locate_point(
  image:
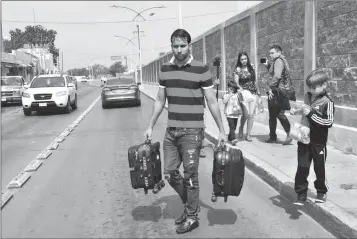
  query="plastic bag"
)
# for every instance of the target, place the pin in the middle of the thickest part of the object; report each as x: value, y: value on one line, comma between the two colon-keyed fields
x: 300, y: 133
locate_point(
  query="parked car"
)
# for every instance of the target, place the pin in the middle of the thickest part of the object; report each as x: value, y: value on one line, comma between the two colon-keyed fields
x: 49, y: 92
x: 81, y: 78
x: 120, y: 90
x: 11, y: 89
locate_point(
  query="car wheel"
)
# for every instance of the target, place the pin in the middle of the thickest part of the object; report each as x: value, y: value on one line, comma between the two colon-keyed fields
x: 68, y: 107
x: 104, y: 105
x: 27, y: 111
x: 139, y: 103
x: 74, y: 106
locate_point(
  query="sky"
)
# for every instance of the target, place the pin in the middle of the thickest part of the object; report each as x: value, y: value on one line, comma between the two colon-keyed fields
x: 95, y: 43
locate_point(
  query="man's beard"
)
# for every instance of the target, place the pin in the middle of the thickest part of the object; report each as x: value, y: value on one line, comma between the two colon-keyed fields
x: 181, y: 57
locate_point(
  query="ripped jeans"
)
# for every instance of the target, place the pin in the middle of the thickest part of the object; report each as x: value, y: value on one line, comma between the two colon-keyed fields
x: 183, y: 145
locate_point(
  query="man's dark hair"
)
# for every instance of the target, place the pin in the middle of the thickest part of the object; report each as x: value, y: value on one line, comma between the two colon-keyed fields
x: 181, y: 33
x: 276, y: 47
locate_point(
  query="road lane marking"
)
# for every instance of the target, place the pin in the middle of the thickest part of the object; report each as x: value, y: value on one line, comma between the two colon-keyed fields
x: 59, y: 139
x: 5, y: 197
x: 44, y: 154
x: 33, y: 165
x: 17, y: 182
x: 53, y: 146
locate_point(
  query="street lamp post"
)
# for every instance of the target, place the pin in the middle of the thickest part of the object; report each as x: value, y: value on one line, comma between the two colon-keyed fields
x: 138, y: 27
x: 180, y: 14
x: 141, y: 67
x: 129, y: 40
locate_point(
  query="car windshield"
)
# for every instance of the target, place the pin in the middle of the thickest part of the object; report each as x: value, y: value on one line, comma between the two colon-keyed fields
x: 48, y: 82
x: 11, y: 81
x: 125, y: 81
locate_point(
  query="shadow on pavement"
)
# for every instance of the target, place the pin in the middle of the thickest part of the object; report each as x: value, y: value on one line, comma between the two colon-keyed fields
x: 282, y: 202
x: 263, y: 138
x: 147, y: 213
x: 289, y: 207
x: 219, y: 216
x: 170, y: 207
x: 120, y: 105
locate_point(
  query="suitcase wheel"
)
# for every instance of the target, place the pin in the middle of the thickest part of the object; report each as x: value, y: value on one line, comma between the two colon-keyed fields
x: 157, y: 188
x: 225, y: 199
x: 214, y: 198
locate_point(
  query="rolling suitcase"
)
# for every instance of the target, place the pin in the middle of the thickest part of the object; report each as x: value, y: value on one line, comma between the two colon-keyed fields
x: 228, y: 172
x: 145, y: 163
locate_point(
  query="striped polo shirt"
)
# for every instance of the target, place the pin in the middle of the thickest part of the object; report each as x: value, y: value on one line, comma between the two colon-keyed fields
x: 184, y: 90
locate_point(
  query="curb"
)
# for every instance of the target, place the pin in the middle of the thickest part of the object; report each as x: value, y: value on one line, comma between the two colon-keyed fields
x: 329, y: 215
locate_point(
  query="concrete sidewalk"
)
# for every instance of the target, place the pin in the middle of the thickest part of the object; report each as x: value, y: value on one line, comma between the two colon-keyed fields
x: 276, y: 164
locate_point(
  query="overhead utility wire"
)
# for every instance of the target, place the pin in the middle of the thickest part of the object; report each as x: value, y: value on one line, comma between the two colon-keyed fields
x: 110, y: 22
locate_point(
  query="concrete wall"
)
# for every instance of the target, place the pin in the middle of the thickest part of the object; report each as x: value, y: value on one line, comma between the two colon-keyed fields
x: 197, y: 50
x: 283, y: 24
x: 336, y: 48
x: 313, y: 34
x: 237, y: 38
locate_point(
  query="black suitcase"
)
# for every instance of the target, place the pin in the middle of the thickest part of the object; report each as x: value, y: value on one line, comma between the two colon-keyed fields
x: 145, y: 163
x: 228, y: 172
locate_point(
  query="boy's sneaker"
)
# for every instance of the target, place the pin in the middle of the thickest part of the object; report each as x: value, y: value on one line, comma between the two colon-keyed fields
x: 187, y: 226
x: 321, y: 198
x: 301, y: 199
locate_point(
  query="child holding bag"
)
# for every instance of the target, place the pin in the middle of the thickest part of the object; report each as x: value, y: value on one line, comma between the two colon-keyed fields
x: 232, y: 100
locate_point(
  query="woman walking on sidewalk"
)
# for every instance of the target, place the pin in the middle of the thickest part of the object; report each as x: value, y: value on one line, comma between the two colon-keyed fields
x: 244, y: 76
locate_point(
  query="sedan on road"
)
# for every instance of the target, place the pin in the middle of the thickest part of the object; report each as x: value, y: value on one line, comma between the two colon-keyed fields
x: 120, y: 90
x: 11, y: 89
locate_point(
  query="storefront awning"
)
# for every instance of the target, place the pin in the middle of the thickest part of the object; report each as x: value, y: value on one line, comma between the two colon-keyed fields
x: 8, y: 64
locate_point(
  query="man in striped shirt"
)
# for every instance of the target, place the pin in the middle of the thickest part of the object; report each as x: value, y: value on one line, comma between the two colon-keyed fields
x: 185, y: 83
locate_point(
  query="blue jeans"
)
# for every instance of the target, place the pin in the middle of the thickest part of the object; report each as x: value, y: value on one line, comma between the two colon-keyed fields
x: 183, y: 145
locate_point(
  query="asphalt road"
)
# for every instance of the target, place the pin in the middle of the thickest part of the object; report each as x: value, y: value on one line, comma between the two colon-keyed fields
x: 24, y: 137
x: 83, y: 190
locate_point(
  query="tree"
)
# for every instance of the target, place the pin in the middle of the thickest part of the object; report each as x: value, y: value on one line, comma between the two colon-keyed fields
x: 117, y: 67
x: 99, y: 69
x: 78, y: 72
x: 33, y: 35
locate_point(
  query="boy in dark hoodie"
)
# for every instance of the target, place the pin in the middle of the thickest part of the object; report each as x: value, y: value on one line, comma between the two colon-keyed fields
x: 319, y: 113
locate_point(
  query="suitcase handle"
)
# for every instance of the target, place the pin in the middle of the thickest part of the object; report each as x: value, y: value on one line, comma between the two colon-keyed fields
x: 220, y: 172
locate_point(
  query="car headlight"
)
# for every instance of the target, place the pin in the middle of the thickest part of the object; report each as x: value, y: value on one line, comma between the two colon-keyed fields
x: 26, y: 95
x: 61, y: 93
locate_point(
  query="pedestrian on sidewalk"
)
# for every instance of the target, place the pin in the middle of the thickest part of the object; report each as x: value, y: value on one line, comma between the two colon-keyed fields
x: 278, y: 100
x: 244, y: 76
x: 186, y: 83
x: 232, y: 110
x: 320, y: 117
